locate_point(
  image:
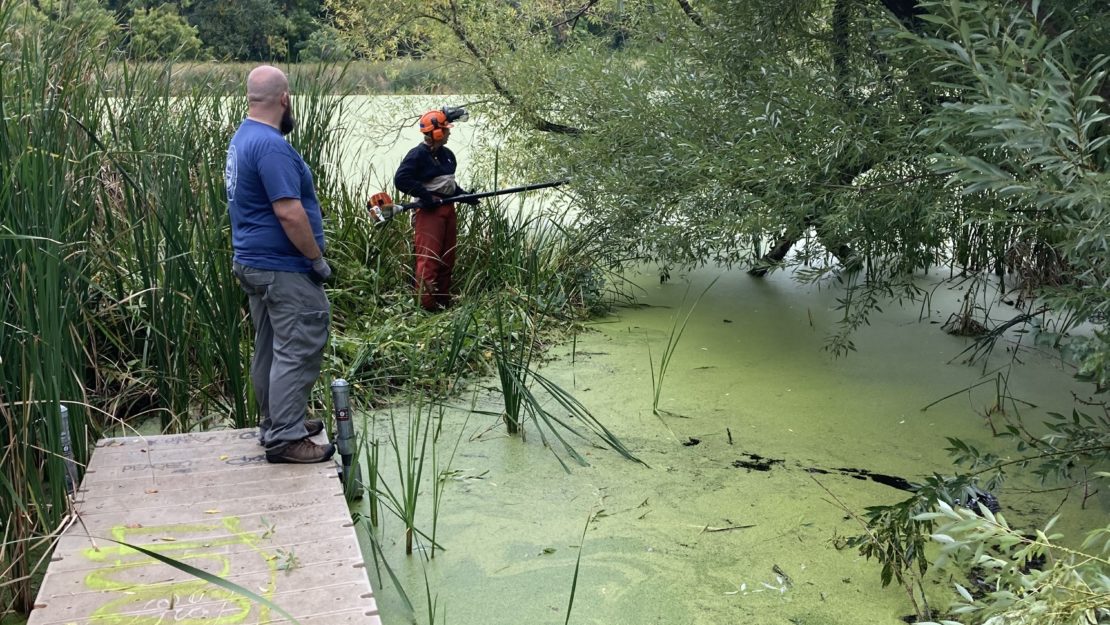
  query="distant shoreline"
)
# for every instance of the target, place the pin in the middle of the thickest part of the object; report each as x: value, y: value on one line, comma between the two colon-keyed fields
x: 394, y: 77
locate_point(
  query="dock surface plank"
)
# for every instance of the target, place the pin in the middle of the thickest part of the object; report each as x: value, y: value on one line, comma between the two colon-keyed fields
x: 209, y: 500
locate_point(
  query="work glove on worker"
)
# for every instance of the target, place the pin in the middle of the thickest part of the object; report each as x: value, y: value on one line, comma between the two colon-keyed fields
x: 428, y: 201
x: 321, y: 271
x: 473, y: 201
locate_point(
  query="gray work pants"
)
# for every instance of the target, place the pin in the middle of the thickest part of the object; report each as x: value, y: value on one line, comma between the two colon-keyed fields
x: 290, y: 313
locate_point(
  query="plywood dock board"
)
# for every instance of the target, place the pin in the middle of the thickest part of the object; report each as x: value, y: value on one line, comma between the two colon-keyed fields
x: 210, y: 500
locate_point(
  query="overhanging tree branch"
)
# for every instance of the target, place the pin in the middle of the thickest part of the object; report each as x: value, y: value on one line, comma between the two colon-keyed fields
x: 691, y: 13
x: 456, y: 28
x: 908, y: 13
x: 574, y: 18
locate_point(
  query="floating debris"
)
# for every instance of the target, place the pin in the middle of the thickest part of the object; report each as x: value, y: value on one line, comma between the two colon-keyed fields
x: 755, y: 462
x: 783, y: 578
x: 725, y: 529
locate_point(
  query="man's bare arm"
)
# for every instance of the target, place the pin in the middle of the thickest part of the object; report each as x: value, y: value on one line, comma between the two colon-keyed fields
x: 294, y: 221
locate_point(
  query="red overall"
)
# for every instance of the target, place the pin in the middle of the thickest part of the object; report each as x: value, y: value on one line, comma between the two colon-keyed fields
x: 434, y: 244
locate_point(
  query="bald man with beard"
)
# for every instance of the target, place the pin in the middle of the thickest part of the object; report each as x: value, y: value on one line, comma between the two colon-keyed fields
x: 277, y: 236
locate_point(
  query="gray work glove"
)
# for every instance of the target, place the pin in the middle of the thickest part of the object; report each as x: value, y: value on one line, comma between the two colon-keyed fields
x: 428, y: 201
x: 321, y: 271
x: 470, y: 201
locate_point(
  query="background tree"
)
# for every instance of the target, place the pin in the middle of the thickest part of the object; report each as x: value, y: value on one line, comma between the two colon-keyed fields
x: 324, y: 44
x: 88, y: 15
x: 380, y: 30
x: 162, y: 32
x: 247, y: 30
x: 253, y: 30
x: 305, y: 20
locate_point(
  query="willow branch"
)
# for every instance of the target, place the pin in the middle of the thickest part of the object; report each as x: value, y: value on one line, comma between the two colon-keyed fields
x: 457, y: 29
x: 1064, y: 452
x: 574, y: 18
x: 907, y: 12
x: 691, y: 13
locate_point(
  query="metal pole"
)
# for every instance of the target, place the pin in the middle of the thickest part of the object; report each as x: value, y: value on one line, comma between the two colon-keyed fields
x: 376, y: 212
x: 345, y: 437
x: 485, y: 194
x: 67, y: 450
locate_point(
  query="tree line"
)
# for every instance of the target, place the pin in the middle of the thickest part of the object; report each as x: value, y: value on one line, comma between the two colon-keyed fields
x: 293, y: 30
x: 242, y: 30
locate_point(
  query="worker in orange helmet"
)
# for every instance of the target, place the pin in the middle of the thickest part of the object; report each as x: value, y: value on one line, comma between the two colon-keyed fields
x: 428, y: 173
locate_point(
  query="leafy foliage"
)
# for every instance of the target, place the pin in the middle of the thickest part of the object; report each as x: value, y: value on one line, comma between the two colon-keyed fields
x: 246, y: 29
x: 1021, y: 578
x: 325, y: 44
x: 1075, y: 450
x: 85, y: 16
x: 896, y: 535
x: 162, y: 32
x: 1030, y: 134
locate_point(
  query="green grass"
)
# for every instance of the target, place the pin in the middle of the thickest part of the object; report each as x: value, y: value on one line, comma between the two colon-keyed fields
x: 44, y: 163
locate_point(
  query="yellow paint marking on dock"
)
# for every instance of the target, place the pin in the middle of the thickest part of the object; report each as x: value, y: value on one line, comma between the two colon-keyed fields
x: 211, y: 501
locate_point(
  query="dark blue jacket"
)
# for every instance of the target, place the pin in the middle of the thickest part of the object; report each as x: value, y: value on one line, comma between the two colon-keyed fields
x: 421, y: 165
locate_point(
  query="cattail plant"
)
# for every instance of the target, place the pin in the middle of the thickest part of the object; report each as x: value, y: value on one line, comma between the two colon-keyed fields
x: 46, y: 170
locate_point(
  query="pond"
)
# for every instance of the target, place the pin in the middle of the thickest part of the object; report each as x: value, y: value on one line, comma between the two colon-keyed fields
x: 737, y: 517
x: 378, y: 130
x: 764, y: 448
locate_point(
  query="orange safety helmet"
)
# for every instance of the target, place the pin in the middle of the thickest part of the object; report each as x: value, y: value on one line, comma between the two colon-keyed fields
x: 432, y: 124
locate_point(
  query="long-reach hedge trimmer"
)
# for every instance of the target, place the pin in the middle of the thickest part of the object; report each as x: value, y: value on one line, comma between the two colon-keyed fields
x: 382, y: 208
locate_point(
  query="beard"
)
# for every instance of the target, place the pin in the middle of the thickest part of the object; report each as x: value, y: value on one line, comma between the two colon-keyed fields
x: 288, y: 123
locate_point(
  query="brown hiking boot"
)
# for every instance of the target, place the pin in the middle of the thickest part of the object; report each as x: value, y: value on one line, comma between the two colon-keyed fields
x: 303, y: 451
x: 314, y: 426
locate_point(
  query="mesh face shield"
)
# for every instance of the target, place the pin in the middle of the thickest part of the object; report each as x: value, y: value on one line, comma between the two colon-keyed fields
x: 456, y: 114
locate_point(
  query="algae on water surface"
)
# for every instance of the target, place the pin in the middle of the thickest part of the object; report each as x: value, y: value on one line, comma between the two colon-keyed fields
x: 726, y: 525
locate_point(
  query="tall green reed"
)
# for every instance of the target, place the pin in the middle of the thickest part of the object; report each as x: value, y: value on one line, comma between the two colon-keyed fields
x: 510, y: 358
x: 370, y: 456
x: 541, y: 262
x: 678, y: 326
x: 411, y: 447
x: 577, y: 567
x: 165, y: 231
x: 44, y: 169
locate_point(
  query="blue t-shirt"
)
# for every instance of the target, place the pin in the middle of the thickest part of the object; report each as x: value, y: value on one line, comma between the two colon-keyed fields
x: 262, y: 168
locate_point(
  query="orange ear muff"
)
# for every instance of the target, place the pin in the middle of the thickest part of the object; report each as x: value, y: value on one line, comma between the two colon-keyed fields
x: 437, y: 130
x: 433, y: 123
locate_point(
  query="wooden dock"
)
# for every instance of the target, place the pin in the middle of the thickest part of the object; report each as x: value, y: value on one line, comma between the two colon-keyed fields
x: 212, y: 501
